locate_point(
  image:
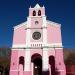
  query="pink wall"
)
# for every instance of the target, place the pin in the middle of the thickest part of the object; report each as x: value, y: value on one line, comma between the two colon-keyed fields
x: 19, y: 36
x: 14, y: 60
x: 54, y: 34
x: 33, y: 25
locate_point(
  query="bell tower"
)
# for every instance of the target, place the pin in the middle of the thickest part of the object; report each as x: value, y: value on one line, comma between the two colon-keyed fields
x: 37, y: 46
x: 38, y: 29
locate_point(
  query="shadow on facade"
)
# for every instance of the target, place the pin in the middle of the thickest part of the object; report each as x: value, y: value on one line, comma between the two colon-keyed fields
x: 4, y: 71
x: 52, y: 66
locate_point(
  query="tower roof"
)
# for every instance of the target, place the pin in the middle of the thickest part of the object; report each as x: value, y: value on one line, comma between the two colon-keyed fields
x: 37, y: 6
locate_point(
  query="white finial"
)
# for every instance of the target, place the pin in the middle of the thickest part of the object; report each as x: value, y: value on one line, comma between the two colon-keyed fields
x: 43, y: 6
x: 37, y: 6
x: 30, y: 6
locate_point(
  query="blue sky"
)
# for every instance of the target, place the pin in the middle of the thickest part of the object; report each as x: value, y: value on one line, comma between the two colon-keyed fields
x: 14, y: 12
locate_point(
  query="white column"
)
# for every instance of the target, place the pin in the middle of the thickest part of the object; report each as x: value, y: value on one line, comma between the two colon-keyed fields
x: 32, y: 64
x: 45, y: 50
x: 45, y: 59
x: 49, y: 69
x: 44, y: 30
x: 28, y: 32
x: 27, y: 60
x: 27, y: 51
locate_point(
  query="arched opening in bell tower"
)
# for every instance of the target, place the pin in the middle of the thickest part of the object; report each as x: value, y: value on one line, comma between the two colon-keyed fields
x: 36, y: 59
x: 52, y: 64
x: 39, y: 13
x: 34, y: 13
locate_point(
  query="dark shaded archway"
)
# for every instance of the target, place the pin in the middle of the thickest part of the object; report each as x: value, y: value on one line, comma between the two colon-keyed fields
x: 37, y: 61
x: 52, y: 64
x: 21, y: 61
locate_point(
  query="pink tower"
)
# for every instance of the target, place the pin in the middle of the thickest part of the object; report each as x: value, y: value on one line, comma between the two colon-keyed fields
x: 37, y: 46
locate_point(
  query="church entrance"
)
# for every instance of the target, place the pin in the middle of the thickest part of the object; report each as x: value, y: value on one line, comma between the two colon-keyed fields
x: 37, y: 64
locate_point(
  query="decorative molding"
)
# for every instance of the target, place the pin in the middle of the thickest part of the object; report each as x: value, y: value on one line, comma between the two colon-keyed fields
x: 42, y: 45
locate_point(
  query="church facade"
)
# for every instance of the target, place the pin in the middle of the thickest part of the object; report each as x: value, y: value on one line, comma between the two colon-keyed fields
x: 37, y: 46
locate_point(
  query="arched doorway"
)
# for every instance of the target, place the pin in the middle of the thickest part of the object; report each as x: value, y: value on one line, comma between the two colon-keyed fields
x: 36, y: 59
x: 21, y: 65
x: 52, y: 64
x: 21, y: 60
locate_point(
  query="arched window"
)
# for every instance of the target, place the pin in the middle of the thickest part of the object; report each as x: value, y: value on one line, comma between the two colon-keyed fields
x: 39, y: 13
x: 21, y: 60
x: 34, y: 13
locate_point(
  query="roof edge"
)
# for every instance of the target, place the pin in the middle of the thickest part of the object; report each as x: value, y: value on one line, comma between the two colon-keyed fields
x: 20, y: 25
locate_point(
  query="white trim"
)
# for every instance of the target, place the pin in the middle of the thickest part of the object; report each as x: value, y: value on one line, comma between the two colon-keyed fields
x: 44, y: 25
x: 18, y: 45
x: 55, y: 45
x: 25, y: 23
x: 44, y: 21
x: 28, y: 31
x: 59, y: 48
x: 45, y: 59
x: 20, y: 25
x: 53, y: 23
x: 32, y: 67
x: 14, y: 70
x: 27, y: 60
x: 28, y: 22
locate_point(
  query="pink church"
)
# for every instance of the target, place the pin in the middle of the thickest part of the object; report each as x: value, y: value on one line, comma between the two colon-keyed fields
x: 37, y: 46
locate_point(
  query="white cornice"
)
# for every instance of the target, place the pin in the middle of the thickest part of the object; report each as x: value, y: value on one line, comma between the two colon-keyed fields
x: 20, y: 25
x: 53, y: 23
x: 34, y: 45
x: 25, y: 23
